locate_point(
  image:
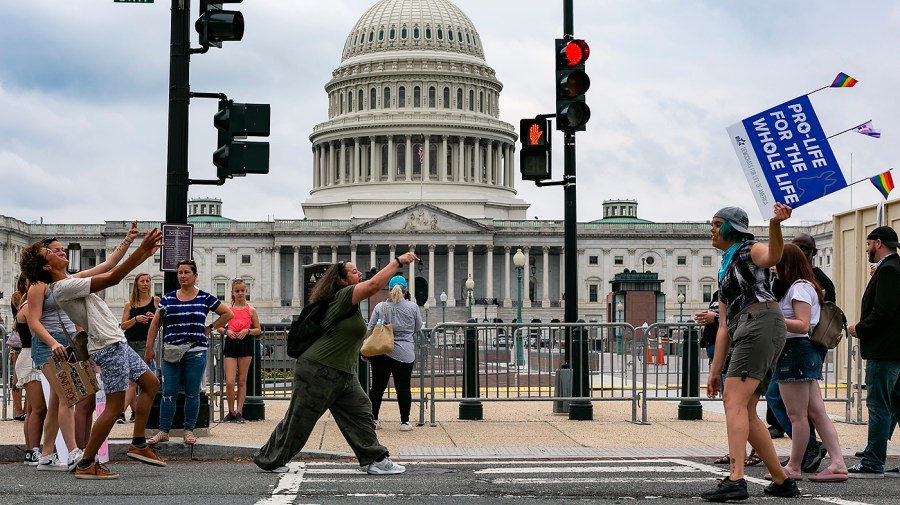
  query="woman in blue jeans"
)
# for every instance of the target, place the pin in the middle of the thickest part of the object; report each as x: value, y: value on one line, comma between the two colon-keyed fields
x: 185, y: 345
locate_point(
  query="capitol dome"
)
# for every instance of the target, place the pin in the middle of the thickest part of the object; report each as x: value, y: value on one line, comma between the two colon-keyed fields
x: 413, y: 115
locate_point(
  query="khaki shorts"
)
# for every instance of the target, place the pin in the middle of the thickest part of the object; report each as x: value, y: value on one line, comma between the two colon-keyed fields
x: 757, y: 338
x: 25, y: 370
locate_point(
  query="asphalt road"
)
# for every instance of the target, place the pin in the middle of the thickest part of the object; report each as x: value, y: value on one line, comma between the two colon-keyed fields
x: 668, y: 481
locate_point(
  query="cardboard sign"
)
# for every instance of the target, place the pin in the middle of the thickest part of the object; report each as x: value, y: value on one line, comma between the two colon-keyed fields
x: 73, y: 382
x: 786, y: 156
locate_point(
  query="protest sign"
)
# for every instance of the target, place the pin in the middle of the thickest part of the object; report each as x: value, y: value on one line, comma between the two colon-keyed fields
x: 786, y: 156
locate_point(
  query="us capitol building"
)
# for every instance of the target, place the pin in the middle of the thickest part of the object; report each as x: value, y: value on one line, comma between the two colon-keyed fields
x: 414, y: 157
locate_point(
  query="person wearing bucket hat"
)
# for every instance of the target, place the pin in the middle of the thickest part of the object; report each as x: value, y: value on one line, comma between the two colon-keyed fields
x: 878, y: 331
x: 752, y: 331
x: 406, y: 320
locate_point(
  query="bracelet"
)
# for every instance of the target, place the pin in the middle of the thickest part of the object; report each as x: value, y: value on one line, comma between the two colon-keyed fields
x: 399, y: 265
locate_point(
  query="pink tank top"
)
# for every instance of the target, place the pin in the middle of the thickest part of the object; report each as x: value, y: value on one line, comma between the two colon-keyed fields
x: 241, y: 320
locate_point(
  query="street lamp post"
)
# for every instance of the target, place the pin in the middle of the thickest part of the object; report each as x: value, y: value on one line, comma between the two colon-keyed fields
x: 519, y: 262
x: 470, y: 286
x: 690, y: 370
x: 620, y: 307
x: 443, y: 306
x: 426, y: 307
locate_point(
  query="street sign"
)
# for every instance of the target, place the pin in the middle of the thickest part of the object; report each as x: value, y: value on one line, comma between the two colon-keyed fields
x: 178, y: 245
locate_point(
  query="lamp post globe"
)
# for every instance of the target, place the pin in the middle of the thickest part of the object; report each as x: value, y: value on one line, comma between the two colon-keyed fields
x: 680, y: 300
x: 443, y: 306
x: 470, y: 286
x: 519, y: 262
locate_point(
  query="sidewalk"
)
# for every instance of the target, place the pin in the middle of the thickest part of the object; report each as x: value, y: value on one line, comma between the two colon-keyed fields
x: 509, y: 430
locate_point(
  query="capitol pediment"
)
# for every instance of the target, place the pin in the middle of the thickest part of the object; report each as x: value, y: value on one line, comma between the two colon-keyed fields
x: 421, y: 218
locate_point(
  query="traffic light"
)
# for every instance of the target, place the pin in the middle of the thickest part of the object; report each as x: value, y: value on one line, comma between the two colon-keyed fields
x: 534, y: 158
x: 216, y: 25
x: 236, y: 158
x: 571, y: 84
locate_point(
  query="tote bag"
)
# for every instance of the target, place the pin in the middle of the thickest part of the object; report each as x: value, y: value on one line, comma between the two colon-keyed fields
x: 381, y: 338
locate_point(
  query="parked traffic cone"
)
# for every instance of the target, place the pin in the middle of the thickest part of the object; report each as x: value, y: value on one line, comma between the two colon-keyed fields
x: 649, y: 356
x: 660, y: 355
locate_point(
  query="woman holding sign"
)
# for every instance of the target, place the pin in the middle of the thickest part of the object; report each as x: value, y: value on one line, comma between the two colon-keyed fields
x: 752, y: 331
x: 106, y: 343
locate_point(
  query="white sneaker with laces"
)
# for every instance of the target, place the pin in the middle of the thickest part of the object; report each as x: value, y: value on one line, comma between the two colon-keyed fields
x: 405, y: 427
x: 74, y: 459
x: 51, y: 463
x: 385, y: 467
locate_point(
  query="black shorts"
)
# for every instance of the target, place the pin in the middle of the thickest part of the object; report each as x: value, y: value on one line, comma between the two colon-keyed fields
x: 239, y: 348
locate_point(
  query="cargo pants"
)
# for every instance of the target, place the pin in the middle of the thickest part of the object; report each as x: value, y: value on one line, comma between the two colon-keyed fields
x: 318, y: 388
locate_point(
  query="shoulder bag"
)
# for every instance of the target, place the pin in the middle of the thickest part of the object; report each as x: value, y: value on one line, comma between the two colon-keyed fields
x: 381, y: 338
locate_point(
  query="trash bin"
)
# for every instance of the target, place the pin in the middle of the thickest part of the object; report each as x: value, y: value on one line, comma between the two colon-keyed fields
x: 563, y: 389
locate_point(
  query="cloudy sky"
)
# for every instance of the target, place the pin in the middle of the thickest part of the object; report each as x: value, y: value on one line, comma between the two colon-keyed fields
x: 84, y: 91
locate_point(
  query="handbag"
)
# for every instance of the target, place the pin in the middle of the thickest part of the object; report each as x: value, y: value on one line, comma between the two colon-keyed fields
x: 74, y: 382
x: 13, y: 341
x: 381, y: 338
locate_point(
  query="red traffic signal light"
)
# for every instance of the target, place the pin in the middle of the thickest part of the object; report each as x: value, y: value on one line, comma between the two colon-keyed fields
x: 574, y: 53
x: 534, y: 158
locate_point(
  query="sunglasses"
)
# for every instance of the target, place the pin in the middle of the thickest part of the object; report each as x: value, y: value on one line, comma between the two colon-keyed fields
x: 47, y: 241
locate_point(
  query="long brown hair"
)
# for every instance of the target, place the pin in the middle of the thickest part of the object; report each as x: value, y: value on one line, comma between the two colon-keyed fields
x: 330, y: 282
x: 794, y: 266
x: 135, y: 296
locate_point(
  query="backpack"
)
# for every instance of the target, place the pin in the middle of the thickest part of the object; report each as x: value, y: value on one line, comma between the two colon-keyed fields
x: 307, y: 327
x: 830, y: 329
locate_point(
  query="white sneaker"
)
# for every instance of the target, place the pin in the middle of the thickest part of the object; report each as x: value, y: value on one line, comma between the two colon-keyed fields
x: 405, y: 427
x: 385, y: 467
x: 74, y: 459
x: 51, y: 463
x: 377, y: 424
x: 280, y: 469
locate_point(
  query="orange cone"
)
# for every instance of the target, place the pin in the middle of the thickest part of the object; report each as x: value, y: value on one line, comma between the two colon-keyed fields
x: 649, y: 356
x: 660, y: 355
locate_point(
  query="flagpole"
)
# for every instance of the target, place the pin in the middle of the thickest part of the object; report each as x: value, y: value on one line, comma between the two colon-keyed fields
x: 862, y: 180
x: 848, y: 129
x: 817, y: 90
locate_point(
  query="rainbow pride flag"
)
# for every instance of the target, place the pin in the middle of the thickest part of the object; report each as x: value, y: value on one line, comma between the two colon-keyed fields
x: 843, y: 81
x: 883, y: 183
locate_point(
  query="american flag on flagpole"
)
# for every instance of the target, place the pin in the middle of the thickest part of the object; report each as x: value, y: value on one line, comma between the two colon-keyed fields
x: 421, y: 154
x: 866, y: 129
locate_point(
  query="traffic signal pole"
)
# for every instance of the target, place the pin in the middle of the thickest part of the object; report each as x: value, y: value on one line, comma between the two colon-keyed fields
x: 179, y: 104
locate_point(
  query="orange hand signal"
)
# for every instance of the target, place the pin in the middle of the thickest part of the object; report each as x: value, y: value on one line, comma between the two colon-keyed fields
x: 534, y: 134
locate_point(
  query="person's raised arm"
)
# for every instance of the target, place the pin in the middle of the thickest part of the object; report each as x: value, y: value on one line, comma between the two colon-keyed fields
x: 767, y: 256
x: 114, y: 257
x: 151, y: 242
x: 364, y: 290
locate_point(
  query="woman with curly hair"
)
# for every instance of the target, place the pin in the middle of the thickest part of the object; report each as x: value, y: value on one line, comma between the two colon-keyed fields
x: 106, y: 342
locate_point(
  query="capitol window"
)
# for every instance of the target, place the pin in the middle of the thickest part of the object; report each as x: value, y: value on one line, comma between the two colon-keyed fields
x: 380, y: 35
x: 459, y: 98
x: 446, y: 98
x: 417, y: 96
x: 392, y: 34
x: 401, y: 96
x: 428, y: 33
x: 416, y: 33
x: 618, y: 260
x: 440, y: 34
x: 681, y: 261
x: 432, y: 96
x: 373, y: 98
x: 403, y: 33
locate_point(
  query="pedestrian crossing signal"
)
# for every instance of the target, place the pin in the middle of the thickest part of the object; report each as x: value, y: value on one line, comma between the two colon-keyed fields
x: 534, y: 158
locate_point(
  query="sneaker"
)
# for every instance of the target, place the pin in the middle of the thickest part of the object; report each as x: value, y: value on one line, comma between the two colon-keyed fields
x: 377, y: 424
x: 726, y: 490
x: 787, y: 489
x: 858, y: 471
x: 228, y: 418
x: 121, y: 419
x: 813, y: 456
x: 238, y: 418
x: 95, y: 471
x: 51, y: 463
x: 893, y: 472
x: 33, y: 457
x: 280, y: 469
x: 74, y: 458
x: 405, y: 427
x: 145, y: 455
x: 775, y: 432
x: 385, y: 467
x: 131, y: 419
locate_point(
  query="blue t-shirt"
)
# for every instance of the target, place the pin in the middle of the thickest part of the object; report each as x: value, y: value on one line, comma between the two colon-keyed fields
x: 186, y: 321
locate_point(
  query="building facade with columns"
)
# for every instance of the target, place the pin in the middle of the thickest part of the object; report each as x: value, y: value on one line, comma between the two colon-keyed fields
x: 413, y: 156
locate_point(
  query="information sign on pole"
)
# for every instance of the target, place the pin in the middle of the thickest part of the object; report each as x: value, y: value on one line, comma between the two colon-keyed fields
x: 178, y: 245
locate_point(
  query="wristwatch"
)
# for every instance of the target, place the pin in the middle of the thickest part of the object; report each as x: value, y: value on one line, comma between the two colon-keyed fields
x: 399, y: 264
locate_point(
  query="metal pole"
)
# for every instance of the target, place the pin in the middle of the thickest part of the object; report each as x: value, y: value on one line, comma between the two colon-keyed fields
x: 179, y: 103
x: 471, y: 409
x: 520, y: 344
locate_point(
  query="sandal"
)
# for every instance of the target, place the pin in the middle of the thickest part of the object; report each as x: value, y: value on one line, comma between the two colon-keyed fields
x: 159, y: 438
x: 189, y: 438
x: 752, y: 459
x: 724, y: 460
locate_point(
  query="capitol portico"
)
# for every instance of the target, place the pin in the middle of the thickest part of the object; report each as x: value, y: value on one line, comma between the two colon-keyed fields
x: 413, y: 156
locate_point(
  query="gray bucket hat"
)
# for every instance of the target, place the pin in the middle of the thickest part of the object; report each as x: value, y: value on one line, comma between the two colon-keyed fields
x: 736, y: 217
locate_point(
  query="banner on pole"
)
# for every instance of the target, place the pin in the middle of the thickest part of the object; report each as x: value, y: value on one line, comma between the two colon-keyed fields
x: 786, y: 156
